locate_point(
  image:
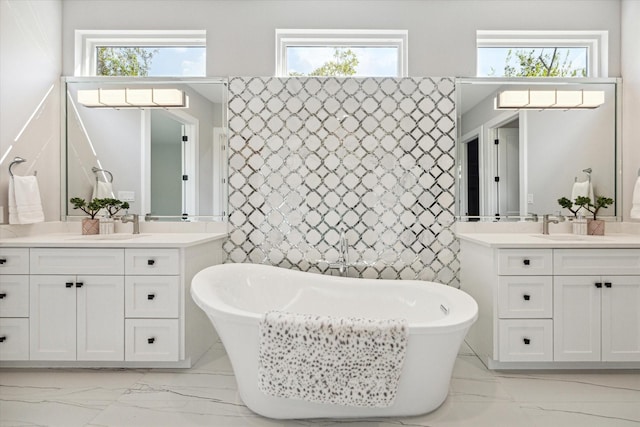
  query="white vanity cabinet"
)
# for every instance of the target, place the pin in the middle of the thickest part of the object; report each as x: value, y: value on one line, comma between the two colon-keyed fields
x: 76, y: 304
x: 597, y: 310
x: 14, y: 304
x: 544, y: 306
x: 104, y: 304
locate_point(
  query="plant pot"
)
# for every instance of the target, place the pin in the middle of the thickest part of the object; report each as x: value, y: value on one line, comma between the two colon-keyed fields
x: 595, y: 227
x: 90, y: 226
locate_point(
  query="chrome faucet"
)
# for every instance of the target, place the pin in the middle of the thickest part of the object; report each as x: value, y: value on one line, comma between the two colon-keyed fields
x: 343, y: 255
x: 134, y: 219
x: 546, y: 221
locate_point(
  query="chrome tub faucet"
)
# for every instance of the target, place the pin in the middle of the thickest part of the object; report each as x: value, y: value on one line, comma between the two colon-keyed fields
x: 342, y: 265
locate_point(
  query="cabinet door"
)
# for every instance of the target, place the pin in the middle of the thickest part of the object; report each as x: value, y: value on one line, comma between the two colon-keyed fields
x: 621, y: 318
x: 52, y: 324
x: 576, y: 318
x: 100, y: 317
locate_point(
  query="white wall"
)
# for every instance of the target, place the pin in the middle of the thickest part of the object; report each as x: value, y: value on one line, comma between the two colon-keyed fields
x: 241, y: 38
x: 630, y: 99
x: 30, y: 68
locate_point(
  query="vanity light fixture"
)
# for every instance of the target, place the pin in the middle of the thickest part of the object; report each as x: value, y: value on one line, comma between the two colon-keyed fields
x: 549, y: 99
x: 133, y: 98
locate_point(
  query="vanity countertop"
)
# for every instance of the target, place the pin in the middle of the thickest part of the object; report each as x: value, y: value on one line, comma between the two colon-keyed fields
x: 568, y: 241
x: 116, y: 240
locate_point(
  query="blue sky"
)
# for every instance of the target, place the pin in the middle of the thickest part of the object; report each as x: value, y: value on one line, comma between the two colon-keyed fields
x: 495, y: 57
x: 373, y: 61
x: 179, y: 61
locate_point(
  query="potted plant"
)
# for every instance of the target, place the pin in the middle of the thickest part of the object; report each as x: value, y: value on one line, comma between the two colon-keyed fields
x: 90, y: 225
x: 595, y: 227
x: 568, y: 204
x: 113, y: 206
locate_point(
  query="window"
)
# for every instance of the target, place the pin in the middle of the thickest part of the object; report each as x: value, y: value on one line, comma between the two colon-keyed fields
x: 356, y: 53
x: 140, y: 53
x: 542, y: 53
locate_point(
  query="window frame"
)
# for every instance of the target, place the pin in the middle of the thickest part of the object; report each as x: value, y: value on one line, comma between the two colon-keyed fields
x: 286, y: 38
x: 596, y: 43
x: 86, y: 42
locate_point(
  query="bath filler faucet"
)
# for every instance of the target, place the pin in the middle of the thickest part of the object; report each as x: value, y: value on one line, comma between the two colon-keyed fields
x: 342, y: 265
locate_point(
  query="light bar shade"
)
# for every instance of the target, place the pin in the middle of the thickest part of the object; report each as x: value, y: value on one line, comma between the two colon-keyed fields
x: 132, y: 98
x: 549, y: 99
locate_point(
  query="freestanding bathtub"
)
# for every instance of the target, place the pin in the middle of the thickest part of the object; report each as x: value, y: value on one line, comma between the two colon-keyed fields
x: 236, y: 296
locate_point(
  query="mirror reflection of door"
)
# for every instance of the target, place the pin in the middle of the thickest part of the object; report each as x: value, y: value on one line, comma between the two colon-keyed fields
x: 473, y: 178
x: 508, y: 169
x: 172, y: 175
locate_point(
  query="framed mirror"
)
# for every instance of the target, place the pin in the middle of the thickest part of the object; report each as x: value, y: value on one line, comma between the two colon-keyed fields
x: 158, y: 144
x: 524, y: 143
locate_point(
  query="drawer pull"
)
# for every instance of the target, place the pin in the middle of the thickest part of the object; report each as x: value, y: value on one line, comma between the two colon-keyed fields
x: 526, y: 341
x: 3, y: 338
x: 607, y: 284
x: 3, y: 261
x: 68, y: 284
x: 151, y: 340
x: 598, y: 284
x: 526, y: 297
x: 3, y: 295
x: 151, y: 261
x: 79, y: 285
x: 151, y: 296
x: 526, y: 261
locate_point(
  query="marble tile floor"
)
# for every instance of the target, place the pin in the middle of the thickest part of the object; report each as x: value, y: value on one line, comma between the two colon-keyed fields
x: 206, y: 395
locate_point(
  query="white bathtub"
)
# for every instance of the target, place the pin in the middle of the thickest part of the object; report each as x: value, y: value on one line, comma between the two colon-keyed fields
x: 235, y: 296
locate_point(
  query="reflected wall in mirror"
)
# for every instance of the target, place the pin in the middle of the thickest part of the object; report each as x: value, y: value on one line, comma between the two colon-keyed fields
x: 512, y: 163
x: 158, y: 144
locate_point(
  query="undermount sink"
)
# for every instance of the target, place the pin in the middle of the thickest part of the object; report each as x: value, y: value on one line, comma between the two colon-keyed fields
x: 115, y: 236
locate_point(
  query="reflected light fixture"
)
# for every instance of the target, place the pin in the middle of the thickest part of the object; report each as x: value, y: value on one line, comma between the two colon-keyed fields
x: 133, y: 98
x: 549, y: 99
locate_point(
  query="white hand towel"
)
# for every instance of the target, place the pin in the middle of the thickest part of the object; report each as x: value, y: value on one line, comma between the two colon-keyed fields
x: 103, y: 190
x: 582, y: 189
x: 25, y: 205
x: 635, y: 201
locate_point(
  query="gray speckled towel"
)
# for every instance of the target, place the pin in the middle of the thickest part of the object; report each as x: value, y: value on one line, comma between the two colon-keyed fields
x: 342, y: 361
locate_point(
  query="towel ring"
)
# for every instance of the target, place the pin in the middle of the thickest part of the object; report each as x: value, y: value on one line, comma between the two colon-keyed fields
x: 95, y: 170
x: 16, y: 160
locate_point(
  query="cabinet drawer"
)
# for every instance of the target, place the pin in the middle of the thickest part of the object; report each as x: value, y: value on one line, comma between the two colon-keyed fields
x: 596, y: 261
x: 14, y: 296
x: 14, y: 339
x: 151, y: 340
x: 14, y: 261
x: 77, y: 261
x: 525, y: 297
x: 526, y: 340
x: 152, y: 261
x: 525, y: 262
x: 152, y: 296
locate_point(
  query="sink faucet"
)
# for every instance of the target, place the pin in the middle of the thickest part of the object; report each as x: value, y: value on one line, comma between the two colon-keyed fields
x: 134, y: 219
x: 343, y: 255
x: 546, y: 221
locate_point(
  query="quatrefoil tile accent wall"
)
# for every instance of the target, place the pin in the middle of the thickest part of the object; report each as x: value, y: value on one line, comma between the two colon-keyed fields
x: 375, y: 156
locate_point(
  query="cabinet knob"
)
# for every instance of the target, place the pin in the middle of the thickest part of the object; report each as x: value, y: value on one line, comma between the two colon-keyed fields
x: 3, y: 295
x: 151, y: 296
x: 79, y: 285
x: 151, y: 340
x: 151, y: 261
x: 68, y: 284
x: 526, y: 341
x: 3, y: 261
x: 607, y: 284
x: 526, y: 261
x: 526, y: 297
x: 598, y: 284
x: 3, y: 338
